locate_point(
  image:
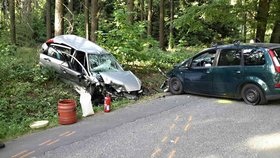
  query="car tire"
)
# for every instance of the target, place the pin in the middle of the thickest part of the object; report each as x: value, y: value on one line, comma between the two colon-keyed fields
x: 253, y: 95
x: 175, y: 86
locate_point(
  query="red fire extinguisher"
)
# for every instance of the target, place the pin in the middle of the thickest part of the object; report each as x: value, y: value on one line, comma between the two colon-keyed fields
x: 107, y: 103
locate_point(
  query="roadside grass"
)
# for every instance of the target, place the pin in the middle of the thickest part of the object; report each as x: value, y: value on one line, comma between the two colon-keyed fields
x: 29, y: 93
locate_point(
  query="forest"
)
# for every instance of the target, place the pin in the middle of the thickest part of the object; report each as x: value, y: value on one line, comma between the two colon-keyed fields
x: 128, y: 26
x: 142, y: 34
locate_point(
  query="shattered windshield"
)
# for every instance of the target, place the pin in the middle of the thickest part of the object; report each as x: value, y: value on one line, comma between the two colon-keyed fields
x: 103, y: 63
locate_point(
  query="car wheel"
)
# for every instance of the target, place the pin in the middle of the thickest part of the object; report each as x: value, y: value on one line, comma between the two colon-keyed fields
x: 175, y: 86
x: 253, y: 95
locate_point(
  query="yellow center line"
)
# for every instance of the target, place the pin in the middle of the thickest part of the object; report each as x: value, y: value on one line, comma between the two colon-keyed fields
x: 55, y: 141
x: 23, y: 156
x: 64, y: 133
x: 164, y: 139
x: 177, y: 117
x: 190, y: 118
x: 172, y: 126
x: 45, y: 142
x: 187, y: 127
x: 172, y: 154
x: 70, y: 134
x: 157, y: 151
x: 19, y: 153
x: 176, y: 140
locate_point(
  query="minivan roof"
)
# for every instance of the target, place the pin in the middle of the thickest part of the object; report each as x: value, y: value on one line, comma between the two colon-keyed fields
x: 79, y: 43
x: 246, y: 45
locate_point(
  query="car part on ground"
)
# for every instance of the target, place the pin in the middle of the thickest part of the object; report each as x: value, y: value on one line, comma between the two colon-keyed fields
x: 87, y: 64
x: 242, y: 71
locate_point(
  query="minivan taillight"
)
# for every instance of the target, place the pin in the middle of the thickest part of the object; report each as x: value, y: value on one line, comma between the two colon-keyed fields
x: 275, y: 60
x: 277, y: 85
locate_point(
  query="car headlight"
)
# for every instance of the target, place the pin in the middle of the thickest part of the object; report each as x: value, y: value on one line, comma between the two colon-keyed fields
x: 118, y: 88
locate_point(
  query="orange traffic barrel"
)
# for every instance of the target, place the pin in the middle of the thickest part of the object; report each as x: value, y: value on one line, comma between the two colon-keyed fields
x: 67, y: 111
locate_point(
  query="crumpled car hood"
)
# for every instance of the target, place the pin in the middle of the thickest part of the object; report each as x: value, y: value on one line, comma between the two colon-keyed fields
x: 124, y: 78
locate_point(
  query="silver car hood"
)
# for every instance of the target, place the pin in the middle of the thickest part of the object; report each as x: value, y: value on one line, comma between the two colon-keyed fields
x: 124, y: 78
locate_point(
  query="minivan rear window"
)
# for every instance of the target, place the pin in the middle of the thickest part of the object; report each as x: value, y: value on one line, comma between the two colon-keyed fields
x: 253, y: 57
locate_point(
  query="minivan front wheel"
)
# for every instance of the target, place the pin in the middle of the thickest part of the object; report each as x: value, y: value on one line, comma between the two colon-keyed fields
x: 253, y: 95
x: 175, y: 86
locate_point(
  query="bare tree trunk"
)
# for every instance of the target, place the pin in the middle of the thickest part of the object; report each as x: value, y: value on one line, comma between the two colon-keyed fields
x: 262, y: 17
x: 150, y: 15
x: 12, y: 21
x: 130, y: 7
x: 70, y: 17
x: 171, y: 41
x: 94, y: 20
x: 1, y: 15
x: 142, y: 10
x: 48, y: 19
x: 86, y: 10
x: 58, y: 20
x: 161, y: 24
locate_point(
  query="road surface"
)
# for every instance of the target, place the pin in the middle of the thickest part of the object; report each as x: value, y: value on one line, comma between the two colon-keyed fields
x: 183, y: 126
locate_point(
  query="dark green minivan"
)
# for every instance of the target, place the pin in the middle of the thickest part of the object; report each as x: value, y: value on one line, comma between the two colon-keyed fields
x: 248, y: 71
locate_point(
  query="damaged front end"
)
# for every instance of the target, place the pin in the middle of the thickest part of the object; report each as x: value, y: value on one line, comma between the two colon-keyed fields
x: 89, y: 66
x: 121, y: 84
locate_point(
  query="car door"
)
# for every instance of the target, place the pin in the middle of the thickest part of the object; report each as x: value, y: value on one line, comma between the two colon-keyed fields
x: 77, y: 69
x: 53, y: 58
x: 228, y: 73
x: 197, y: 76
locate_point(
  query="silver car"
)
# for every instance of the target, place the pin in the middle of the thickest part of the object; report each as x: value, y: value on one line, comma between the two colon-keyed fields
x: 87, y: 64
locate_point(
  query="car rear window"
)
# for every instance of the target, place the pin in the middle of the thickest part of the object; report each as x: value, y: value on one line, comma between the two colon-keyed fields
x: 229, y: 57
x: 253, y: 57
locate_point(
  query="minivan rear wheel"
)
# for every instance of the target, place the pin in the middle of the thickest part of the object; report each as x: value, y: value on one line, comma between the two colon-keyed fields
x: 175, y: 86
x: 253, y: 95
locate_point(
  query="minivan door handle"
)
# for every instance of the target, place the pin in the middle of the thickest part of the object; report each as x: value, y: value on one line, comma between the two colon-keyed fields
x: 238, y: 72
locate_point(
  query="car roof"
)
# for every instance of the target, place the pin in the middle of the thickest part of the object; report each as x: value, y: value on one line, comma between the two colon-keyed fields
x: 250, y: 45
x: 79, y: 43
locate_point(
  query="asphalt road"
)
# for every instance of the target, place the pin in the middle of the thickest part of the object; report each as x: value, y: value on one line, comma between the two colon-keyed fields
x: 184, y: 126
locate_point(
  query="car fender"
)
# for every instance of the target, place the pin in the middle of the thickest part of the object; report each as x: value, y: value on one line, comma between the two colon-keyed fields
x: 178, y: 75
x: 257, y: 81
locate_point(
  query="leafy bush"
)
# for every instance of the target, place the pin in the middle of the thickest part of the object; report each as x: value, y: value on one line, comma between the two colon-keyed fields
x: 28, y: 93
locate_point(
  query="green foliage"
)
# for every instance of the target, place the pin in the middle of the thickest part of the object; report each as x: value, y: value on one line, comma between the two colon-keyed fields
x: 28, y: 93
x: 202, y: 24
x: 125, y: 40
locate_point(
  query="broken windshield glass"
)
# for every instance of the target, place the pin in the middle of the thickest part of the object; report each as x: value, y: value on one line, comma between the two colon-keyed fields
x: 103, y: 63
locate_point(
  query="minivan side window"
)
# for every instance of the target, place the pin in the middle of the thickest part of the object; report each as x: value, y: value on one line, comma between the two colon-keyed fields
x: 229, y: 57
x: 255, y: 57
x: 205, y: 59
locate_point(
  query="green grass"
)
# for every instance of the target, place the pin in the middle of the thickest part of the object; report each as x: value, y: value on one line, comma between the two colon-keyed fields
x: 29, y: 93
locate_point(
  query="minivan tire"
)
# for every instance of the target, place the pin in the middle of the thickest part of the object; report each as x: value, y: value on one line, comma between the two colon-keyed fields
x: 253, y: 95
x: 175, y: 86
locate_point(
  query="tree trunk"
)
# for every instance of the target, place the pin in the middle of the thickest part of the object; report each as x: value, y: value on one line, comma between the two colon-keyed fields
x: 58, y: 20
x: 86, y: 8
x: 12, y: 21
x: 142, y: 10
x: 275, y: 36
x: 70, y: 17
x: 262, y: 17
x: 130, y: 7
x: 171, y: 40
x: 48, y: 19
x: 94, y: 20
x: 150, y: 14
x: 161, y: 25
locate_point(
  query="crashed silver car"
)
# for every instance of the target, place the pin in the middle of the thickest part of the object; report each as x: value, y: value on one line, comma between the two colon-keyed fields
x: 83, y: 62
